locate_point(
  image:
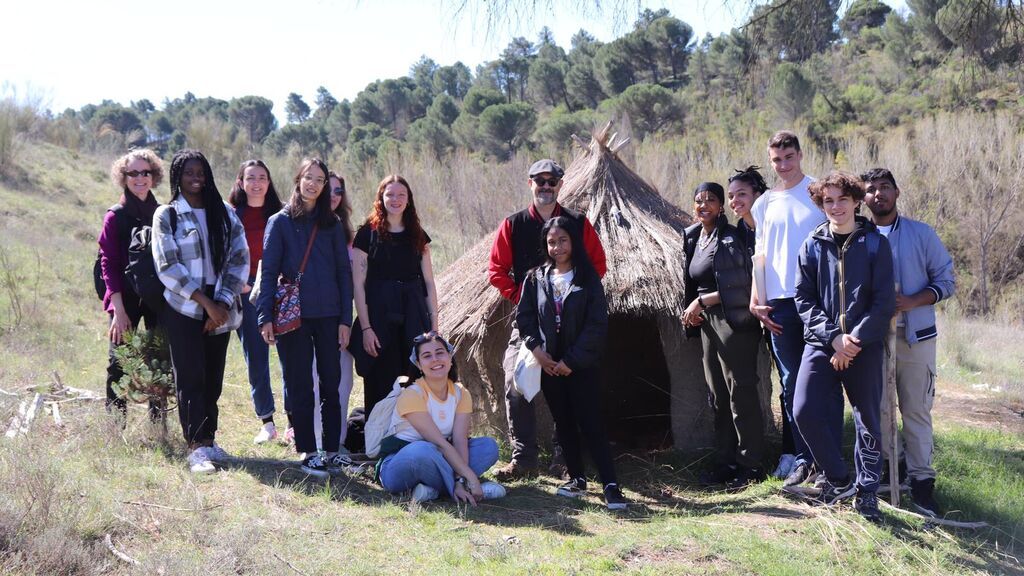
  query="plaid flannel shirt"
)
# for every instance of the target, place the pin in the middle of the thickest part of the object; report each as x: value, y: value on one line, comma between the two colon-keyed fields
x: 179, y: 261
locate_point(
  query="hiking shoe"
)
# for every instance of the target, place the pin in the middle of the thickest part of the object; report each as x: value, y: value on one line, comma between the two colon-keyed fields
x: 923, y: 494
x: 492, y: 490
x: 337, y: 462
x: 267, y: 433
x: 613, y: 497
x: 721, y: 474
x: 799, y: 475
x: 832, y: 493
x: 424, y: 493
x: 745, y: 477
x: 867, y: 505
x: 573, y: 488
x: 316, y: 465
x: 199, y: 461
x: 785, y: 466
x: 515, y: 470
x: 218, y: 454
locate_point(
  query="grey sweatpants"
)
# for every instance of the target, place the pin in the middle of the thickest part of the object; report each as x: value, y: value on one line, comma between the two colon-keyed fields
x: 915, y: 389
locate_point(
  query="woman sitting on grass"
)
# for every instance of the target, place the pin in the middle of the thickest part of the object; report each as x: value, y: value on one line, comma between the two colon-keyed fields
x: 430, y: 450
x: 563, y: 318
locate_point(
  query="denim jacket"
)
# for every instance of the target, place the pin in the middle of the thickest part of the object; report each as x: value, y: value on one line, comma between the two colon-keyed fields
x: 845, y: 291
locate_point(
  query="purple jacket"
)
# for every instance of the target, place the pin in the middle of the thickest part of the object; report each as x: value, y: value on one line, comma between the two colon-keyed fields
x: 113, y: 257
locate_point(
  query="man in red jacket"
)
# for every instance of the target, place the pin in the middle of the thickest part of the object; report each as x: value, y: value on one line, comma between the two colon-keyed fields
x: 517, y: 248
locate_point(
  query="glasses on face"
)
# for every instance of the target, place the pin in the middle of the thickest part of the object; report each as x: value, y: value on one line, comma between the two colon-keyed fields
x: 552, y: 182
x: 137, y: 173
x: 339, y: 191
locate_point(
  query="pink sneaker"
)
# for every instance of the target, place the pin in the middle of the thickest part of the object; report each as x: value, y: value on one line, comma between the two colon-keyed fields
x: 289, y: 436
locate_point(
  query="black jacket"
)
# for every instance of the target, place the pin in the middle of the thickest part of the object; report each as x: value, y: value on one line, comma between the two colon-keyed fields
x: 733, y: 271
x: 584, y: 320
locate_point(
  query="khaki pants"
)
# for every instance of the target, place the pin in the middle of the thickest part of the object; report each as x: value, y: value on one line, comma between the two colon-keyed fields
x: 915, y: 388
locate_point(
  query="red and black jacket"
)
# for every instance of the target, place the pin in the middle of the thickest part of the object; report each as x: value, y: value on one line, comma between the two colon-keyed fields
x: 518, y: 247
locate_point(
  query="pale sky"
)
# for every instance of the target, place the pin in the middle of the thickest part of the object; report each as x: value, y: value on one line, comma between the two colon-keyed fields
x: 73, y: 53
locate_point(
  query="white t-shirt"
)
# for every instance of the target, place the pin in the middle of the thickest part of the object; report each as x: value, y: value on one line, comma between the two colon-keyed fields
x: 785, y: 218
x: 209, y: 275
x: 884, y: 230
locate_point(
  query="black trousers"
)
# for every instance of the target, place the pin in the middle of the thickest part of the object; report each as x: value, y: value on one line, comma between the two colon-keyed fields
x: 392, y: 361
x: 136, y: 312
x: 296, y: 351
x: 730, y: 368
x: 197, y: 359
x: 575, y: 404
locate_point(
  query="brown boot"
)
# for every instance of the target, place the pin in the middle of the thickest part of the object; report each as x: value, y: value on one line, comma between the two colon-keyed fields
x: 515, y: 470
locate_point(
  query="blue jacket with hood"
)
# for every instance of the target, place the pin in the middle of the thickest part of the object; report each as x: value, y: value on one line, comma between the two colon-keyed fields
x: 846, y: 291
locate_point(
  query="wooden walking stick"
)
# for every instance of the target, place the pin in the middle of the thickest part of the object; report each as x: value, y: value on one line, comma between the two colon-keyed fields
x: 890, y: 401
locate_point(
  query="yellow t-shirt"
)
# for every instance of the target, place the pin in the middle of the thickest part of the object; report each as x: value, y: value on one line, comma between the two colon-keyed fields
x: 417, y: 397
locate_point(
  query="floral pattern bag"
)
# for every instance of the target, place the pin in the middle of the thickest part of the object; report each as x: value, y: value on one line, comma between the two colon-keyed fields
x: 287, y: 305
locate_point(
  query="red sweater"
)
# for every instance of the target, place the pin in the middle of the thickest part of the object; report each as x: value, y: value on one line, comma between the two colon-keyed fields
x: 255, y: 224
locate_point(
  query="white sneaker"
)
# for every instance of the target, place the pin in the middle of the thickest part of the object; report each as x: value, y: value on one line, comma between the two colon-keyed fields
x: 267, y: 433
x: 199, y: 461
x: 492, y: 490
x: 785, y: 466
x: 218, y: 454
x: 424, y: 493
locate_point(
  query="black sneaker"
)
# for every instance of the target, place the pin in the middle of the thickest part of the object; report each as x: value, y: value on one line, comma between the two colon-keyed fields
x: 613, y: 497
x: 923, y: 493
x: 338, y: 463
x: 721, y: 474
x: 832, y: 493
x: 573, y: 488
x: 867, y: 505
x: 315, y: 465
x: 799, y: 475
x: 745, y: 477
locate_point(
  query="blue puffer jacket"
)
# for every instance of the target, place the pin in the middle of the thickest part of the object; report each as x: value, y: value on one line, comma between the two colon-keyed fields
x: 326, y: 286
x: 849, y: 291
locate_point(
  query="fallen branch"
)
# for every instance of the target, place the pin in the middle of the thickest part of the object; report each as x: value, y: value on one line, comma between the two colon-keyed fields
x: 120, y: 555
x: 934, y: 520
x: 289, y: 564
x: 163, y: 507
x: 55, y: 412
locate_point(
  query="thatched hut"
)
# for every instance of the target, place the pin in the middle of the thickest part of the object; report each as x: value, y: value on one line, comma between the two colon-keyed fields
x: 653, y: 381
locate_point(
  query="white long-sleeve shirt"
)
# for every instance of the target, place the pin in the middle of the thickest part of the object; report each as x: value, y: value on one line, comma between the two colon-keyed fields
x: 784, y: 218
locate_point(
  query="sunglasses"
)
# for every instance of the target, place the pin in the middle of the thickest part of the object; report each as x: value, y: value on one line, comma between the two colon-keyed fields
x: 426, y: 337
x: 552, y: 182
x: 137, y: 173
x: 339, y: 191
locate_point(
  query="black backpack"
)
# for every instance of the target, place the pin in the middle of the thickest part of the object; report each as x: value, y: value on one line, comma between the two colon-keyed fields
x: 97, y: 267
x: 140, y: 272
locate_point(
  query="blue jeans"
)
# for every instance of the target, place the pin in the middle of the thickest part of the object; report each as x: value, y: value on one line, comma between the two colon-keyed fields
x: 422, y: 463
x: 257, y: 359
x: 788, y: 349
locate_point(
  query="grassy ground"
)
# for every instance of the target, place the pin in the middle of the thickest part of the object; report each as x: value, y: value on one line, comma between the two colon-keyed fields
x: 64, y: 489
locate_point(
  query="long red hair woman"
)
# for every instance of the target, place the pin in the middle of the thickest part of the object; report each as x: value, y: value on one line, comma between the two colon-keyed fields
x: 394, y: 287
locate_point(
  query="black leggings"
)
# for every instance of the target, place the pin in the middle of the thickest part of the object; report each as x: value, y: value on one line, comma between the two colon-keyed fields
x: 575, y: 403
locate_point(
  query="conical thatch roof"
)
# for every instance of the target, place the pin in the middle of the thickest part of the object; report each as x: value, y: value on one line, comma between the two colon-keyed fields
x: 652, y: 376
x: 641, y: 233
